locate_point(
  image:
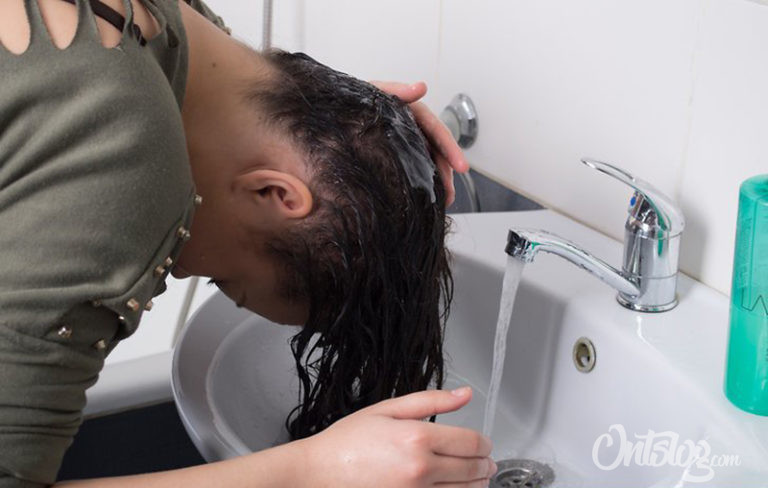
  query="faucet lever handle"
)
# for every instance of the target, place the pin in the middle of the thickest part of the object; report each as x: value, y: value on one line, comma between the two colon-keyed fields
x: 666, y: 217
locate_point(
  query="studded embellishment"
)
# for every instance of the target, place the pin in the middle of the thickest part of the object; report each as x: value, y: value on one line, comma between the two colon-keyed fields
x: 96, y: 302
x: 121, y: 319
x: 65, y: 332
x: 159, y: 270
x: 100, y: 345
x: 183, y: 234
x: 198, y: 200
x: 133, y: 304
x: 148, y: 306
x: 168, y: 261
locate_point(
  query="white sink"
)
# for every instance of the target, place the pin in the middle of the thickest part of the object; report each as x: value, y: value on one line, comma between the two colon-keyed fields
x: 657, y: 377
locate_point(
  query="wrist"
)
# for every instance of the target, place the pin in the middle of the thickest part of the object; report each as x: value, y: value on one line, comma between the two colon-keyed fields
x: 280, y: 466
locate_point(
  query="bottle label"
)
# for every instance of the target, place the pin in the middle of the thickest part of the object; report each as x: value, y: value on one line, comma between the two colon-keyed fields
x: 758, y: 304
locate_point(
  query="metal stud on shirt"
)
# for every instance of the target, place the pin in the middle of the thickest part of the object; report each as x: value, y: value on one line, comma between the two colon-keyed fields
x: 65, y: 332
x: 148, y: 306
x: 133, y: 304
x: 159, y: 270
x: 198, y: 200
x: 168, y: 261
x: 101, y: 344
x: 183, y: 234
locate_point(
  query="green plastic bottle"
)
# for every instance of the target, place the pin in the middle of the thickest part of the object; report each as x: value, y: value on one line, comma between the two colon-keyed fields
x: 746, y: 374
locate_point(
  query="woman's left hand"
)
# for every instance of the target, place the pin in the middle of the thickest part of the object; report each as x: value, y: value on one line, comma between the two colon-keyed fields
x: 447, y: 153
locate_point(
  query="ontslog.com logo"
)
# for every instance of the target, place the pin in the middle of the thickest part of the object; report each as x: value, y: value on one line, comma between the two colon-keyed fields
x: 659, y: 449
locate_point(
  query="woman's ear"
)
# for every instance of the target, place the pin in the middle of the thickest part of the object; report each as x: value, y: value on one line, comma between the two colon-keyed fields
x: 281, y: 195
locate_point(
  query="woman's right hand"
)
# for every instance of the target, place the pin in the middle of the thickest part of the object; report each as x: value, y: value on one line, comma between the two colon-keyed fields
x: 389, y: 445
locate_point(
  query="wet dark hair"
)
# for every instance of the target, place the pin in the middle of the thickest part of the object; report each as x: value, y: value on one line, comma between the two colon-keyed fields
x: 370, y: 259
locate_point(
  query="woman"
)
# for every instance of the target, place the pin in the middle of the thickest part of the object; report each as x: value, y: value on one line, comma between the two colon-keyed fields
x: 304, y: 186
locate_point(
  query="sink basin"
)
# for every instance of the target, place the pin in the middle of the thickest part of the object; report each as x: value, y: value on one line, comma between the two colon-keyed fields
x: 653, y: 397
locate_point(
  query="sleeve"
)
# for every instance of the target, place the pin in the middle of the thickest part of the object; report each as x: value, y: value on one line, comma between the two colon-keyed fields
x: 43, y: 380
x: 206, y: 11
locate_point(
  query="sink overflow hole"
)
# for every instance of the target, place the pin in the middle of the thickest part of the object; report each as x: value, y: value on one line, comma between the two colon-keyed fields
x: 519, y: 473
x: 584, y: 355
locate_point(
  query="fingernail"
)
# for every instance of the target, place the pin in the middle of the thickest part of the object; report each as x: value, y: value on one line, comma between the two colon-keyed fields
x: 460, y: 391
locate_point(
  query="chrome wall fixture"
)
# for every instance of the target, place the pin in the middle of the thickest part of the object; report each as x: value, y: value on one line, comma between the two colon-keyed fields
x: 460, y: 117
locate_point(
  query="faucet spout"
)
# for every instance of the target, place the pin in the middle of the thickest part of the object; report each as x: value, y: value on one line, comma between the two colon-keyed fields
x: 524, y: 244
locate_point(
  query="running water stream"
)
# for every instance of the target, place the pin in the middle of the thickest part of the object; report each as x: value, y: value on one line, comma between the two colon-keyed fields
x: 508, y: 292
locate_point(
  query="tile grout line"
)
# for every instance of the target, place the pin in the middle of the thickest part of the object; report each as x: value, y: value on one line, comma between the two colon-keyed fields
x: 680, y: 176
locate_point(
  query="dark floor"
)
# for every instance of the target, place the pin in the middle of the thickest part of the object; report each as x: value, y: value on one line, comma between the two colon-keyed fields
x: 137, y: 441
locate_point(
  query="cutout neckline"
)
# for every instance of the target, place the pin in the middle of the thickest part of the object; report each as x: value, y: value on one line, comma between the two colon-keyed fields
x: 114, y: 17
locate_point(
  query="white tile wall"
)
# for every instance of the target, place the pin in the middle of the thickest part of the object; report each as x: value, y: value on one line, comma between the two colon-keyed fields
x: 244, y: 17
x: 729, y: 134
x: 555, y: 80
x: 376, y: 40
x: 674, y: 91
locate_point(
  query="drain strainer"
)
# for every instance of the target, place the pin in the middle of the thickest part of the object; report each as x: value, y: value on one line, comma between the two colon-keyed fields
x: 514, y: 473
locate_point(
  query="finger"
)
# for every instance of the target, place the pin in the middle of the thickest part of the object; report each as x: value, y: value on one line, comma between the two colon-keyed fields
x: 446, y: 175
x: 451, y: 469
x: 448, y: 440
x: 423, y: 404
x: 407, y: 92
x: 439, y: 136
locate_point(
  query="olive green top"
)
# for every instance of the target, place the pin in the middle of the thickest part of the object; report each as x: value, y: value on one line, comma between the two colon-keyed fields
x: 96, y: 195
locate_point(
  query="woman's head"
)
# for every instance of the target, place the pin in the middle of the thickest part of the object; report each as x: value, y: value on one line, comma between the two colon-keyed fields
x: 357, y: 253
x: 370, y: 258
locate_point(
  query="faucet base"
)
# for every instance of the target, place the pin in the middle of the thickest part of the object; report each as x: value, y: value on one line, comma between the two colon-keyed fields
x: 638, y: 307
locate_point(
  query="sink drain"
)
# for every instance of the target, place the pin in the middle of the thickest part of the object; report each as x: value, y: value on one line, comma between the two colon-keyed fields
x: 514, y: 473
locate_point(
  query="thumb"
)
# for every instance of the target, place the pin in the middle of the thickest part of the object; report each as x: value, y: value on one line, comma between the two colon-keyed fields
x: 423, y: 404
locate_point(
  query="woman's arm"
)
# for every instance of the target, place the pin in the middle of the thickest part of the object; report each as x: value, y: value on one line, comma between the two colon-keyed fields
x: 385, y: 445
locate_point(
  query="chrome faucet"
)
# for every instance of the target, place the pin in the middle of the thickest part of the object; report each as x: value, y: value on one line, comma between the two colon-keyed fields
x: 647, y: 281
